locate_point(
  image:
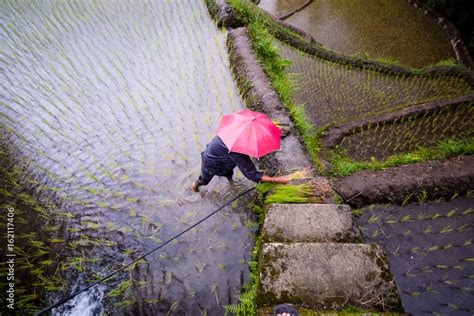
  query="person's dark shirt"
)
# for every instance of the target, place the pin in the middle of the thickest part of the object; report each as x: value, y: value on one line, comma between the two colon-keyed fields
x: 220, y: 161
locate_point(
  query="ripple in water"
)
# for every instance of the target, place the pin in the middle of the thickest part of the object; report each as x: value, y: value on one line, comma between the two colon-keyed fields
x: 105, y: 107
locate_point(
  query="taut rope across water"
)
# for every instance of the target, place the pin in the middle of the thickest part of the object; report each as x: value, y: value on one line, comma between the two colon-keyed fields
x: 44, y: 310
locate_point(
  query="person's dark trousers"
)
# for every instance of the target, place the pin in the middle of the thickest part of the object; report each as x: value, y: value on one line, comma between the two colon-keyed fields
x: 208, y: 173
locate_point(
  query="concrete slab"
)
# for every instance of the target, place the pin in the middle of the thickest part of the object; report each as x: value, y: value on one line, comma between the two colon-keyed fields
x: 310, y: 223
x: 327, y: 276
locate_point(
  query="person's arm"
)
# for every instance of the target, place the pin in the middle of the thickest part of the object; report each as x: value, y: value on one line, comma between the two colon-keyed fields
x: 247, y: 167
x: 245, y: 164
x: 280, y: 180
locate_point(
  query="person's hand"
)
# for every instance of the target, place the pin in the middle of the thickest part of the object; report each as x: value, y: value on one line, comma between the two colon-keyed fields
x: 284, y: 180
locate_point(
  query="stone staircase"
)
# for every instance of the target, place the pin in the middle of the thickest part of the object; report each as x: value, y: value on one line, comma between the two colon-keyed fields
x: 313, y: 256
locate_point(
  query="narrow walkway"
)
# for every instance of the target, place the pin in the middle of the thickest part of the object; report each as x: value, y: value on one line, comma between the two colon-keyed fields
x: 313, y: 256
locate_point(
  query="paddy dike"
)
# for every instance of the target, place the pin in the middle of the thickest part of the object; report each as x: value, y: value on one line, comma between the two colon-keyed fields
x: 437, y: 178
x: 260, y: 96
x: 403, y: 131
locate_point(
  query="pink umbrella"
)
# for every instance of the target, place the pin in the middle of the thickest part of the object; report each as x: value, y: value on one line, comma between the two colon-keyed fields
x: 250, y: 133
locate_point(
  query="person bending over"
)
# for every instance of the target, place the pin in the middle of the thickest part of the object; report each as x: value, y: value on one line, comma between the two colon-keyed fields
x: 217, y: 160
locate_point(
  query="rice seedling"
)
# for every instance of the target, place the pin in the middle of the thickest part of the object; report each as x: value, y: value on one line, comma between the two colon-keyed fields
x: 302, y: 193
x: 406, y: 199
x: 451, y: 213
x: 435, y: 216
x: 446, y: 229
x: 468, y: 211
x: 214, y: 291
x: 464, y: 227
x: 358, y: 212
x: 405, y: 218
x: 422, y: 196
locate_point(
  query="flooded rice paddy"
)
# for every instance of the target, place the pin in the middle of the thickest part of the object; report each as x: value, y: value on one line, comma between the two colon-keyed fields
x: 281, y: 8
x: 430, y: 248
x: 105, y: 107
x: 335, y: 93
x: 409, y: 133
x: 392, y: 30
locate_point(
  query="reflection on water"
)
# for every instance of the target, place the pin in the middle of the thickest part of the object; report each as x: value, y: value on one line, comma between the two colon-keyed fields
x: 280, y: 8
x: 390, y: 29
x: 331, y: 92
x: 105, y: 107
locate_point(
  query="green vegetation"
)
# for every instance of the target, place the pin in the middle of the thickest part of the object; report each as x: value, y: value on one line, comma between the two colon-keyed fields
x: 451, y: 62
x: 334, y: 93
x: 343, y: 166
x: 406, y: 134
x: 276, y: 68
x: 246, y: 305
x: 302, y: 193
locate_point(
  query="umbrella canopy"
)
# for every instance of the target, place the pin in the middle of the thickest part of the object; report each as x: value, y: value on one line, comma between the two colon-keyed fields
x: 250, y: 133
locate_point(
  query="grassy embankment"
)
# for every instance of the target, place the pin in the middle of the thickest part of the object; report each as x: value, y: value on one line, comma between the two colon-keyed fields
x: 261, y: 29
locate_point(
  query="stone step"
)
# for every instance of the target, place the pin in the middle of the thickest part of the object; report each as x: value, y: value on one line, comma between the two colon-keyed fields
x: 327, y: 276
x: 310, y: 223
x: 268, y: 311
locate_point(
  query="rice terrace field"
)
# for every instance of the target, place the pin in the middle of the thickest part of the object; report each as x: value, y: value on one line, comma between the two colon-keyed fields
x: 105, y: 107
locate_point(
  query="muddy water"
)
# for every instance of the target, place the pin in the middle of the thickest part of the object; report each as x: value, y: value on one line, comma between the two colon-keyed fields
x: 430, y: 248
x: 105, y: 107
x: 331, y: 92
x: 280, y: 8
x: 391, y: 29
x: 407, y: 135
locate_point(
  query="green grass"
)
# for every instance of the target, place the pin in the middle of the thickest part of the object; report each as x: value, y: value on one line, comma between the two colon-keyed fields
x: 450, y: 62
x: 276, y: 68
x: 343, y: 166
x: 268, y: 193
x: 246, y: 305
x: 262, y: 30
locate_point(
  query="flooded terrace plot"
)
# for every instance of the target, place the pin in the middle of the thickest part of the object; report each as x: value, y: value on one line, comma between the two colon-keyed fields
x: 281, y: 8
x: 392, y: 30
x: 105, y: 107
x: 407, y: 134
x: 431, y: 252
x: 335, y: 93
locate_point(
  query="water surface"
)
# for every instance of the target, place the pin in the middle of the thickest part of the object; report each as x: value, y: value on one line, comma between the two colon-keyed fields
x: 389, y: 29
x: 105, y: 107
x: 335, y: 93
x: 281, y: 7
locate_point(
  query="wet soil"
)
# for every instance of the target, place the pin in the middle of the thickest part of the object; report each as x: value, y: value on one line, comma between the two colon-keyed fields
x: 440, y: 178
x: 256, y: 89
